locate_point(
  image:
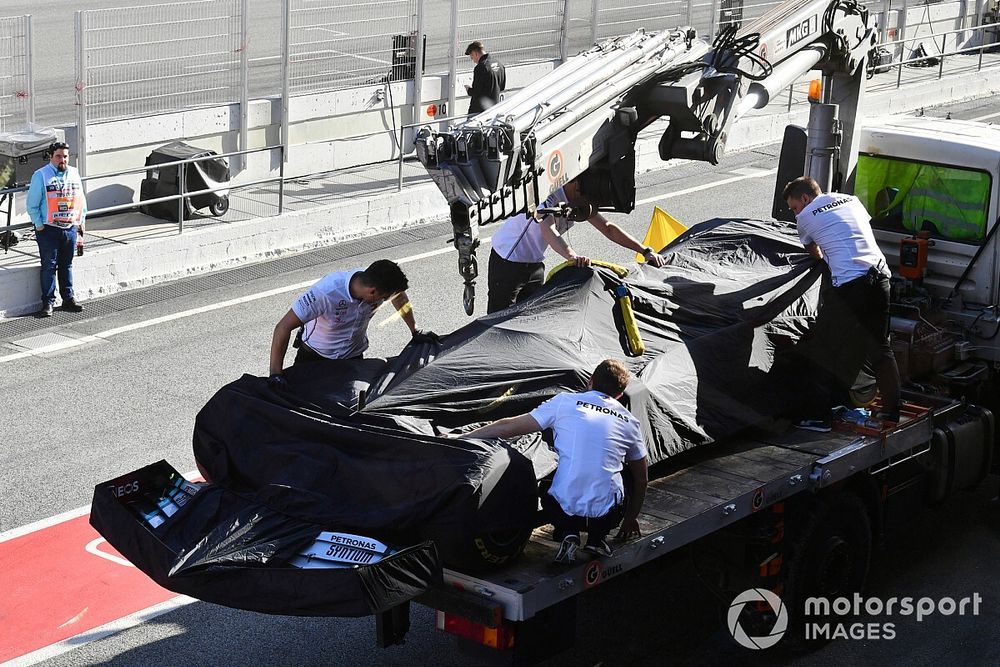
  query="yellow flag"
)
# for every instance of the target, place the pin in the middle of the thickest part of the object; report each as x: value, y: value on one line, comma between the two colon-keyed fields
x: 663, y: 228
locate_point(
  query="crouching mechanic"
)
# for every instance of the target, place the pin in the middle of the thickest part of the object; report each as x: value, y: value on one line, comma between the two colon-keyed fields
x: 593, y: 434
x: 335, y: 312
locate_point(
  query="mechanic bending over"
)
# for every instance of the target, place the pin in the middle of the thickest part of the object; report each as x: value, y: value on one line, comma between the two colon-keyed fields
x: 334, y: 315
x: 854, y: 315
x: 593, y: 434
x: 517, y: 268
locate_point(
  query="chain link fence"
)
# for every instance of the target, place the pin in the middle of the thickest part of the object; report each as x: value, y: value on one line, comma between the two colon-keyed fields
x: 141, y: 61
x: 335, y: 44
x: 518, y: 32
x: 16, y: 94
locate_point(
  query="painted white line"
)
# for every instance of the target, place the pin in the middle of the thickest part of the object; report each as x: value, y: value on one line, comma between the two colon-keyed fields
x: 706, y: 186
x: 42, y: 524
x: 104, y: 335
x: 68, y: 515
x: 91, y: 548
x: 987, y: 116
x: 96, y: 634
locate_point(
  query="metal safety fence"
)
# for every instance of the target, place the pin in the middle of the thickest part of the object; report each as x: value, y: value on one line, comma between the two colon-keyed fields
x: 140, y: 61
x: 17, y: 98
x: 243, y: 199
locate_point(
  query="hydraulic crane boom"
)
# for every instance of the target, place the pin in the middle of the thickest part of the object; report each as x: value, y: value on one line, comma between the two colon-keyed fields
x: 582, y: 119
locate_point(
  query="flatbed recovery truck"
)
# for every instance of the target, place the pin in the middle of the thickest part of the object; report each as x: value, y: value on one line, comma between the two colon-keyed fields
x: 814, y: 503
x: 817, y: 496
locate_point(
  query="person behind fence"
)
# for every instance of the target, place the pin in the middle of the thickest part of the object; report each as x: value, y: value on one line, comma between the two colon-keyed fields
x: 592, y: 433
x: 334, y: 314
x: 854, y: 315
x: 489, y: 79
x: 517, y: 259
x: 58, y: 208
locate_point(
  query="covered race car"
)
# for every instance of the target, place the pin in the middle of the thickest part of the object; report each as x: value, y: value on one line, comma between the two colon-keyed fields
x: 342, y: 497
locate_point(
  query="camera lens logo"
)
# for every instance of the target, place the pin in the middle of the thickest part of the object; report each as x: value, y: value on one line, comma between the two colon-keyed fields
x: 757, y: 595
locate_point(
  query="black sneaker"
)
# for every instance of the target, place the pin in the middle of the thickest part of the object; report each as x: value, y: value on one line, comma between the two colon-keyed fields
x: 599, y: 548
x: 567, y: 549
x: 818, y: 425
x: 46, y: 310
x: 72, y: 306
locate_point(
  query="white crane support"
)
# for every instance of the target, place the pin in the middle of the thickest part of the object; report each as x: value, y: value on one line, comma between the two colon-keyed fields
x: 581, y: 120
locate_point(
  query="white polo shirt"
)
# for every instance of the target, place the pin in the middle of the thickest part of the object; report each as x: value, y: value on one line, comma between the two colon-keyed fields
x: 593, y: 434
x: 519, y: 238
x: 841, y: 227
x: 336, y: 324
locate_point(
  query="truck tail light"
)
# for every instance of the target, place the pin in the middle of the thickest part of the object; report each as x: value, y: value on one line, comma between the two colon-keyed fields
x: 500, y: 637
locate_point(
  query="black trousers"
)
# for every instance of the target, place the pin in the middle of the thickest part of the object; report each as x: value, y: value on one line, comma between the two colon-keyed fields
x: 512, y: 282
x: 597, y: 528
x: 853, y: 326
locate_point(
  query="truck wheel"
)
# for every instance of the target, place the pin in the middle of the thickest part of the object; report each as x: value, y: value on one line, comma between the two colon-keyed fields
x: 220, y: 206
x: 828, y: 559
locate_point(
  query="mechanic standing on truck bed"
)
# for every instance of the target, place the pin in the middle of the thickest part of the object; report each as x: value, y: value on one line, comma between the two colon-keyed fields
x: 593, y: 433
x: 854, y: 315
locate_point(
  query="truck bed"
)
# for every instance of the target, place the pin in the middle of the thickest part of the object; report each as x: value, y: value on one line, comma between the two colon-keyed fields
x: 714, y: 489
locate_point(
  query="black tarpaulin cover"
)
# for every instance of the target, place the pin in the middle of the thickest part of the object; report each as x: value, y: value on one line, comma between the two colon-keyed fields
x: 231, y: 549
x: 723, y: 325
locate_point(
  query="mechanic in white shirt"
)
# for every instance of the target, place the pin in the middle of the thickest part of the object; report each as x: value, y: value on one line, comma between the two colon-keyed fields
x: 854, y: 314
x: 517, y: 268
x: 593, y: 434
x: 335, y: 312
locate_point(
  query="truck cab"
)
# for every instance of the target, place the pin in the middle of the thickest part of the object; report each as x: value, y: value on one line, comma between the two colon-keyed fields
x: 933, y: 188
x: 937, y: 176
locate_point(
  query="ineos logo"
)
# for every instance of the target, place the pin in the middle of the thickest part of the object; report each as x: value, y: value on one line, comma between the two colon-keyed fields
x: 757, y: 595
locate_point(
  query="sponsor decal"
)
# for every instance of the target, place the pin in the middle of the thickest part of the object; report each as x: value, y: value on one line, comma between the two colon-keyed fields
x: 555, y: 166
x: 592, y: 575
x: 757, y: 502
x: 802, y: 30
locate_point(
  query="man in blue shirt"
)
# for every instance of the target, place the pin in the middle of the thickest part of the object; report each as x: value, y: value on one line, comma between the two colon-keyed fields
x: 57, y: 207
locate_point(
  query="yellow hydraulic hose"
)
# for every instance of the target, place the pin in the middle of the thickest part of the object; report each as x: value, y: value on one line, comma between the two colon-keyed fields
x: 633, y: 339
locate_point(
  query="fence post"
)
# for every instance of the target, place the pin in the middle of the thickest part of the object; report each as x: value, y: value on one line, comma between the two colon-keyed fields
x: 399, y: 175
x: 711, y: 19
x: 564, y: 33
x: 181, y: 178
x: 453, y: 58
x: 594, y: 13
x: 418, y: 78
x: 81, y: 93
x: 244, y: 79
x: 286, y: 54
x: 29, y: 52
x: 281, y: 179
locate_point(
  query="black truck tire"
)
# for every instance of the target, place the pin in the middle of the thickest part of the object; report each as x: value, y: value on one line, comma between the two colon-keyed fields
x: 828, y: 558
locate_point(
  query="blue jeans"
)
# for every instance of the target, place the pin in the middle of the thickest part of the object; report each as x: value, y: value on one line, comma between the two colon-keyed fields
x: 56, y: 247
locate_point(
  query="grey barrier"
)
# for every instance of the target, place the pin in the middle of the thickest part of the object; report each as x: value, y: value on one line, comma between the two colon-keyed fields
x: 17, y: 95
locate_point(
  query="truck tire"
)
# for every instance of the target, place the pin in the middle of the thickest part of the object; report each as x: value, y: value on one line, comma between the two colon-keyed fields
x: 828, y: 557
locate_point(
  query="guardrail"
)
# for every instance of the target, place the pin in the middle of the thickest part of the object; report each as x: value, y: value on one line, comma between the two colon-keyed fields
x: 7, y: 194
x: 981, y: 48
